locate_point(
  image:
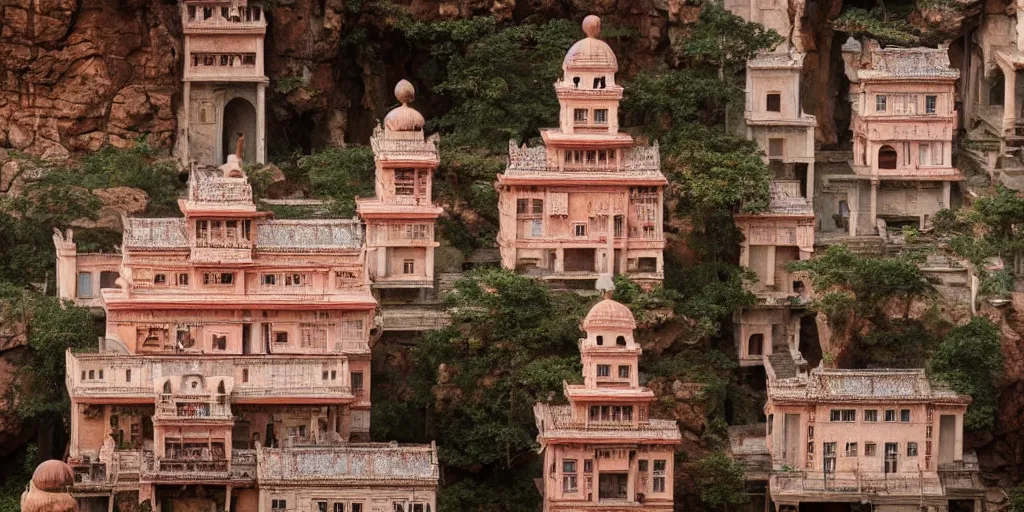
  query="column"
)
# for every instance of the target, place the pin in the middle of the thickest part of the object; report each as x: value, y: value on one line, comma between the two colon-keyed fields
x: 853, y: 202
x: 810, y: 182
x: 631, y: 480
x: 186, y: 108
x: 227, y: 499
x: 261, y: 123
x: 428, y: 263
x: 610, y: 262
x: 559, y: 260
x: 1009, y: 99
x: 945, y: 194
x: 874, y: 203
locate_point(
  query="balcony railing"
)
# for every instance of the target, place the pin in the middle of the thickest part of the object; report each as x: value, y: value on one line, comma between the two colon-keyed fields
x: 174, y: 409
x: 800, y: 482
x: 243, y: 464
x: 156, y: 469
x: 255, y: 376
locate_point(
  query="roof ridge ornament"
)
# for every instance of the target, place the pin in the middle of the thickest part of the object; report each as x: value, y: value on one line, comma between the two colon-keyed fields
x: 592, y: 26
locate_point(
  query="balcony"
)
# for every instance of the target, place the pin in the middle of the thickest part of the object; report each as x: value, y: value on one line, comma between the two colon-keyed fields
x: 243, y: 465
x: 184, y: 408
x: 789, y: 483
x: 100, y: 378
x: 222, y: 18
x: 183, y: 470
x: 960, y: 476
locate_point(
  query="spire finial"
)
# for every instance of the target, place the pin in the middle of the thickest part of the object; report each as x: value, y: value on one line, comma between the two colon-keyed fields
x: 405, y: 92
x: 592, y: 26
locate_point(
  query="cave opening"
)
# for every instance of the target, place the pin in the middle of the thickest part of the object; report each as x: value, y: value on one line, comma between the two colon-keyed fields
x: 810, y: 344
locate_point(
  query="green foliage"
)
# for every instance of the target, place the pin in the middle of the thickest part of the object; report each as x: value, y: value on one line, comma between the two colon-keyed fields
x: 970, y: 360
x: 1016, y: 496
x: 52, y: 327
x: 997, y: 285
x: 720, y: 481
x: 340, y: 174
x: 724, y: 40
x: 464, y: 182
x: 287, y: 84
x: 888, y: 26
x: 18, y: 472
x: 511, y: 344
x: 708, y: 367
x: 992, y: 227
x: 136, y: 166
x: 497, y: 78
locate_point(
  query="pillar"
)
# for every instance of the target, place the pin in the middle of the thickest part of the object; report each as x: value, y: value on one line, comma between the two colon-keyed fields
x: 853, y: 202
x: 559, y: 260
x: 261, y: 123
x: 874, y: 203
x: 770, y: 266
x: 946, y: 188
x: 810, y: 181
x: 227, y: 499
x: 186, y: 109
x: 610, y: 266
x: 428, y: 263
x: 1009, y: 99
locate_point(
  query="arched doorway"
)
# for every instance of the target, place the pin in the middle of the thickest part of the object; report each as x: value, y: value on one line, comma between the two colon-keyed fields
x: 239, y: 117
x: 887, y: 157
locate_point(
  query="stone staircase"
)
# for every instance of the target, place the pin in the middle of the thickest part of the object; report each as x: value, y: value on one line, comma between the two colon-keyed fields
x: 781, y: 362
x: 865, y: 245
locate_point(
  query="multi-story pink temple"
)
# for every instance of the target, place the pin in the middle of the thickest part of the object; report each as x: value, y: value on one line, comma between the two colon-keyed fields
x: 602, y: 451
x: 587, y: 202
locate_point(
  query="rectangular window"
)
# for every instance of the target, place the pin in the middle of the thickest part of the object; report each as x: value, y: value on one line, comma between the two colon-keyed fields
x: 870, y: 449
x: 182, y: 279
x: 588, y: 466
x: 880, y: 103
x: 269, y: 279
x: 871, y: 415
x: 905, y: 415
x: 829, y: 454
x: 409, y: 266
x: 321, y: 506
x: 84, y: 284
x: 224, y: 278
x: 338, y: 507
x: 405, y: 182
x: 579, y: 229
x: 357, y: 381
x: 579, y: 116
x: 538, y: 206
x: 776, y: 148
x: 220, y: 342
x: 160, y: 279
x: 658, y: 484
x: 293, y: 279
x: 891, y: 454
x: 773, y: 102
x: 890, y: 415
x: 522, y: 204
x: 851, y: 449
x: 127, y: 375
x: 604, y: 370
x: 278, y: 504
x: 930, y: 103
x: 911, y: 449
x: 623, y: 372
x: 245, y: 375
x: 536, y: 228
x: 280, y: 337
x: 357, y: 507
x: 569, y: 477
x: 843, y: 415
x: 600, y: 116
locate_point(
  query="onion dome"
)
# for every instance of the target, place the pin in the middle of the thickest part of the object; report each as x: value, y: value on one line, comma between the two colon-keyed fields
x: 591, y: 53
x: 404, y: 118
x: 53, y: 476
x: 609, y: 314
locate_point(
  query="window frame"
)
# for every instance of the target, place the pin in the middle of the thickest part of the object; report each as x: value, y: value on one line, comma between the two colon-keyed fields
x: 882, y: 101
x: 773, y: 97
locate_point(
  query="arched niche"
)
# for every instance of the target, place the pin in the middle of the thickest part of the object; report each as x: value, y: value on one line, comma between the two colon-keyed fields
x: 239, y: 117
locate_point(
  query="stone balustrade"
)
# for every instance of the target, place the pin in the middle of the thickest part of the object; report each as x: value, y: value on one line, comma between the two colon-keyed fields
x: 800, y: 482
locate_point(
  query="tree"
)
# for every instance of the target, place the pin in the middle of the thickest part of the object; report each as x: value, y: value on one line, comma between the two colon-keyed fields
x: 341, y: 175
x: 720, y: 481
x: 512, y: 343
x: 970, y: 360
x: 726, y: 41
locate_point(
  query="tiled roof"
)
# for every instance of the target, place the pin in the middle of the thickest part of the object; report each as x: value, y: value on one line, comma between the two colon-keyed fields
x: 826, y: 385
x: 309, y: 234
x: 898, y: 63
x: 350, y: 463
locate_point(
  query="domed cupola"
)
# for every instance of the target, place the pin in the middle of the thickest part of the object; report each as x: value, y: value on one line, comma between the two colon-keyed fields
x: 591, y: 53
x: 404, y: 118
x: 609, y: 314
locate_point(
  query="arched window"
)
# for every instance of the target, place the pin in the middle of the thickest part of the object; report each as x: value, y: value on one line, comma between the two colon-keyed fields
x: 167, y: 387
x: 755, y: 345
x: 620, y: 341
x: 887, y: 157
x: 220, y: 388
x: 600, y: 339
x: 576, y: 82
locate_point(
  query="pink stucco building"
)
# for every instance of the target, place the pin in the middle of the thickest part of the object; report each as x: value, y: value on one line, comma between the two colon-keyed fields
x: 224, y: 85
x: 235, y: 368
x: 400, y: 220
x: 890, y: 438
x: 589, y: 201
x: 602, y: 451
x: 904, y: 119
x: 784, y: 233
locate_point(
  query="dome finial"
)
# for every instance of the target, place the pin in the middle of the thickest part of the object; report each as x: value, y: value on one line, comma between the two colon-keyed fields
x: 592, y: 26
x: 405, y: 92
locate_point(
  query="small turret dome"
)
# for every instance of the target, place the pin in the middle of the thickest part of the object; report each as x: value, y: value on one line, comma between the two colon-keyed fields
x: 609, y: 314
x: 53, y: 476
x: 591, y: 53
x: 404, y: 118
